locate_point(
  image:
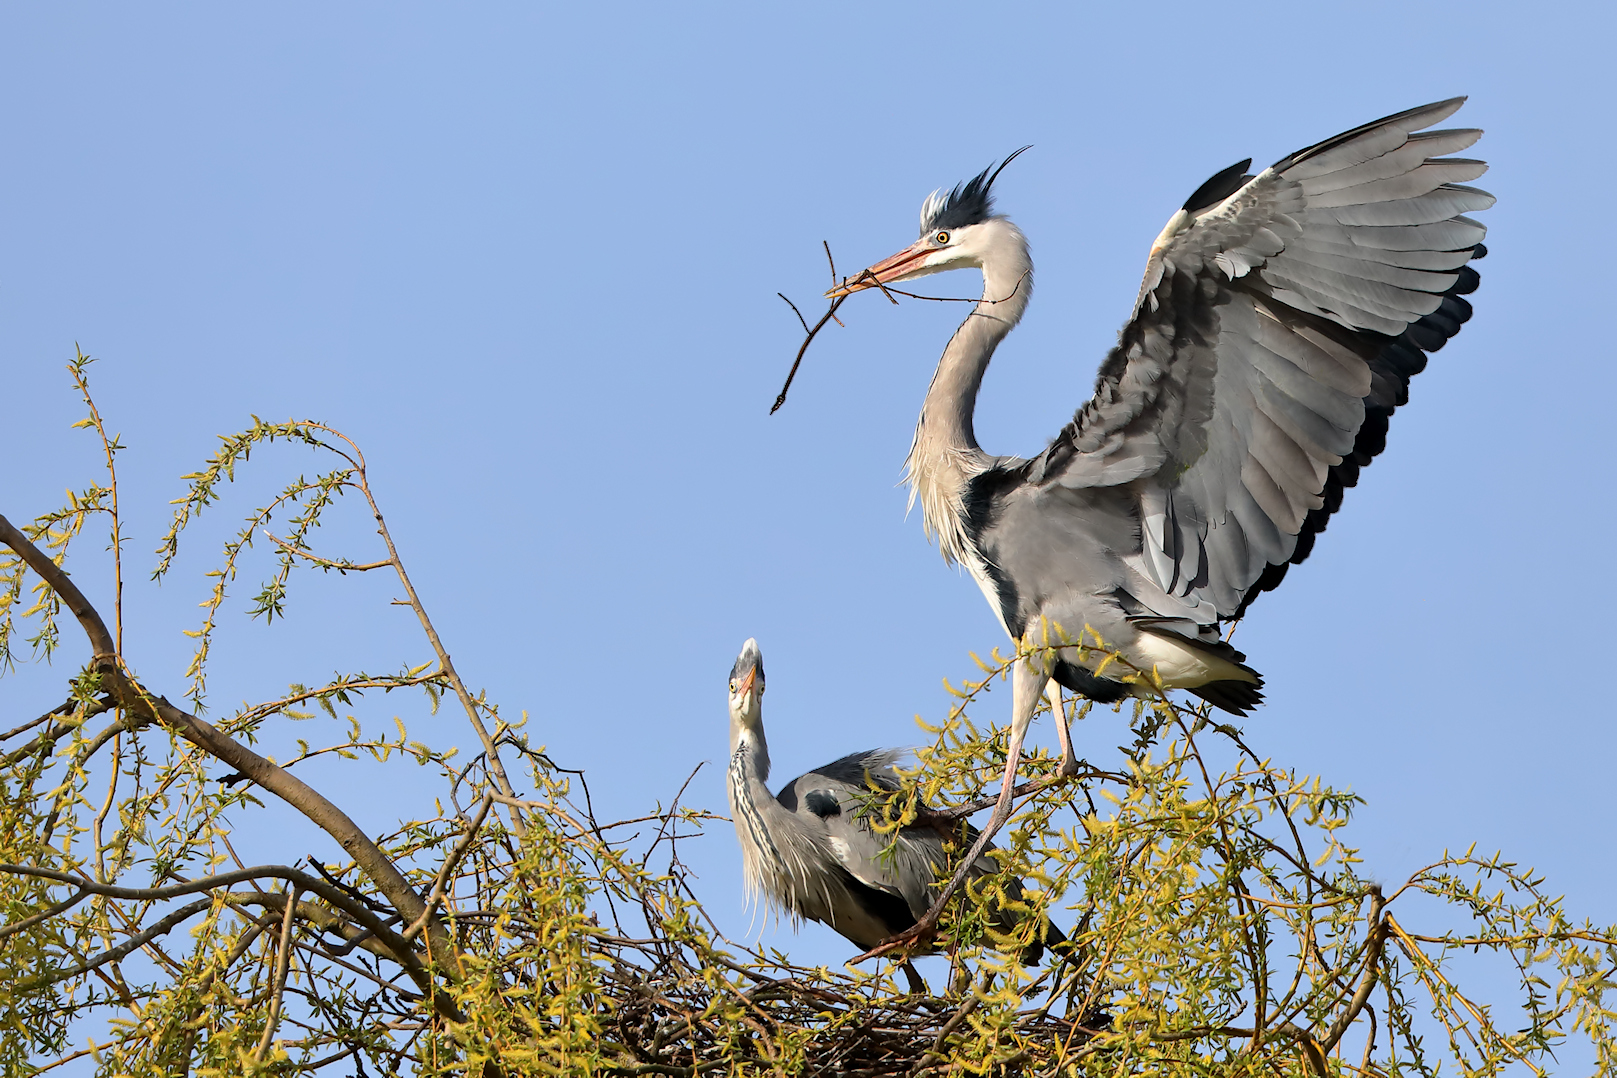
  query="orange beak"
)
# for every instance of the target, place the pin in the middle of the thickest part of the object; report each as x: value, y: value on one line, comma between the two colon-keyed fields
x: 888, y: 269
x: 746, y: 682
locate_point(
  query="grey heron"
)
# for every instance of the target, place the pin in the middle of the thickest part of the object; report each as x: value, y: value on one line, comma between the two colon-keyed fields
x: 1279, y: 322
x: 811, y: 851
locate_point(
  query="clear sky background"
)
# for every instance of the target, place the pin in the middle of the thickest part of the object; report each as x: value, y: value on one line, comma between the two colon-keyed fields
x: 527, y: 256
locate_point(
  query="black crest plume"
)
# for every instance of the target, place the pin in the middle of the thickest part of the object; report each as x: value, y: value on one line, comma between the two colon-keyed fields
x: 970, y: 203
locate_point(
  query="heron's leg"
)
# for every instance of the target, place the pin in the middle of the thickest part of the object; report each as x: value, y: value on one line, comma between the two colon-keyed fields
x: 1026, y: 688
x: 1069, y: 759
x: 917, y: 985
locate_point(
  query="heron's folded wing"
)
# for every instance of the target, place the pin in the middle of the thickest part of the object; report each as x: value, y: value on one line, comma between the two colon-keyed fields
x: 1275, y: 332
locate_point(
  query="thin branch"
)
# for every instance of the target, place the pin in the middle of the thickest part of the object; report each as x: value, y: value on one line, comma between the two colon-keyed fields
x: 167, y: 924
x: 60, y: 709
x: 327, y: 563
x: 495, y: 765
x: 864, y: 277
x: 47, y: 738
x: 283, y: 962
x: 795, y: 311
x: 45, y: 914
x: 398, y: 950
x: 448, y: 868
x: 830, y: 313
x: 295, y: 792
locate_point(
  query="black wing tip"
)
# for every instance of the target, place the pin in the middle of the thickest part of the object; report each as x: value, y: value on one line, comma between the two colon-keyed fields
x: 1400, y: 359
x: 1219, y: 186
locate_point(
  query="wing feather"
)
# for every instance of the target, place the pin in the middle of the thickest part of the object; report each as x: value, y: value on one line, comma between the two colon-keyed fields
x: 1274, y: 335
x: 1427, y: 209
x: 1416, y: 151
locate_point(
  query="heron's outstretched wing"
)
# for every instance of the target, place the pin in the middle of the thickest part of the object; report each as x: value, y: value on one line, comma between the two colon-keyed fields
x: 1280, y: 320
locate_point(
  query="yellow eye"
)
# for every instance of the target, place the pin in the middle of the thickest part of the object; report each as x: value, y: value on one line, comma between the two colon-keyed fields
x: 941, y: 238
x: 732, y: 684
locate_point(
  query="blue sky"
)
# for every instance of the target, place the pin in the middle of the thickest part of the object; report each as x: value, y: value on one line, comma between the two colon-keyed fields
x: 527, y: 256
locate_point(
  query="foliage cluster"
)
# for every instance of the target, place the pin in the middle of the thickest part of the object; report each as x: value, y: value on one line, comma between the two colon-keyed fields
x: 1223, y: 925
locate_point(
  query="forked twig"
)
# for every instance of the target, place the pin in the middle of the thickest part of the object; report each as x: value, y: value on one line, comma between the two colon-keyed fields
x: 829, y: 314
x: 863, y: 277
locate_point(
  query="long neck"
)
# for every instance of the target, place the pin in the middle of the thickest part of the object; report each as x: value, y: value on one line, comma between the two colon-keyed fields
x: 748, y: 744
x: 762, y: 825
x: 945, y: 454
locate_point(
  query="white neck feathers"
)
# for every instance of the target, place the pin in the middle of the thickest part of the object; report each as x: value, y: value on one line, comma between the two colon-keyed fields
x: 944, y: 455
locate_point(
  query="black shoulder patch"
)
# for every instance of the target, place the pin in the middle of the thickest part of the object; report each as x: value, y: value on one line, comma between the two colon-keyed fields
x: 823, y: 804
x: 1221, y: 186
x: 982, y: 503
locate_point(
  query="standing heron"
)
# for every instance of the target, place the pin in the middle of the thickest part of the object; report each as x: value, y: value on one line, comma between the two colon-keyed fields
x: 1280, y: 320
x: 811, y: 851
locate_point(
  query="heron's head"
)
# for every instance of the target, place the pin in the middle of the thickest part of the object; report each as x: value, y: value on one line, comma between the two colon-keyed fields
x: 747, y: 686
x: 959, y: 229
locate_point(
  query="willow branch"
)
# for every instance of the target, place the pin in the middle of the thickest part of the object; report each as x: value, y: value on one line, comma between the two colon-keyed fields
x: 283, y: 962
x: 397, y: 949
x: 322, y: 919
x: 448, y: 868
x: 45, y: 914
x: 129, y: 694
x: 46, y: 738
x: 495, y: 765
x: 1367, y: 982
x: 167, y: 924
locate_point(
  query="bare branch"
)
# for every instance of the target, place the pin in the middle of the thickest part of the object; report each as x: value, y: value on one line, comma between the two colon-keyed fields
x: 830, y: 313
x: 283, y: 962
x: 449, y: 867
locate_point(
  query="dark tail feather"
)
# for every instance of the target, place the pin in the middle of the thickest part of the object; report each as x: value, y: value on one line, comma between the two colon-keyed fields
x: 1236, y: 697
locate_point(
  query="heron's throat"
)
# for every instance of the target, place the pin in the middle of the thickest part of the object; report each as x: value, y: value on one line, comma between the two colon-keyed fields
x: 944, y: 455
x: 749, y: 749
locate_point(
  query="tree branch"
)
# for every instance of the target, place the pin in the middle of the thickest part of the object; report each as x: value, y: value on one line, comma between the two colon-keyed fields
x: 1372, y: 959
x: 134, y: 698
x: 449, y: 867
x: 167, y: 924
x: 397, y: 949
x: 283, y: 962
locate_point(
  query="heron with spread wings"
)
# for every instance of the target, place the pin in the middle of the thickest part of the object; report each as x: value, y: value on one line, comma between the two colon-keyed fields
x: 1280, y: 320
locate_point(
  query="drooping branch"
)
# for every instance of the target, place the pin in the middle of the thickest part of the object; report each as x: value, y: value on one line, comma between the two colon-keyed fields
x: 396, y: 948
x: 130, y: 695
x: 113, y: 954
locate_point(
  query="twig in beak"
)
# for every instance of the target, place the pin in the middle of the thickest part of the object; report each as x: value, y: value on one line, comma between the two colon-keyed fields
x: 795, y: 311
x: 877, y: 282
x: 828, y: 316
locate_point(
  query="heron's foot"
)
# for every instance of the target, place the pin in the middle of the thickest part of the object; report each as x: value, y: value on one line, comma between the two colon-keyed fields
x: 1070, y: 766
x: 916, y: 938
